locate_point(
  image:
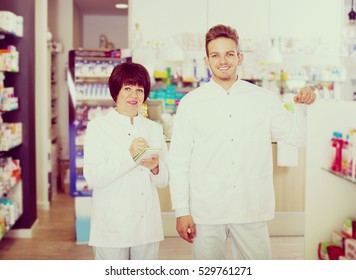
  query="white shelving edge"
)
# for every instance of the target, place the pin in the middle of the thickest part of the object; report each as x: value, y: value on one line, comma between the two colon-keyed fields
x: 43, y: 111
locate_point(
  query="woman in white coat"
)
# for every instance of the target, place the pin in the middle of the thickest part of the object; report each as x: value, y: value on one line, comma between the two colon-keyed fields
x: 126, y: 217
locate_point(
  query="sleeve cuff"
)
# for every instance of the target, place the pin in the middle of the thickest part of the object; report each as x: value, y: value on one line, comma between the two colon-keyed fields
x: 302, y: 108
x: 182, y: 212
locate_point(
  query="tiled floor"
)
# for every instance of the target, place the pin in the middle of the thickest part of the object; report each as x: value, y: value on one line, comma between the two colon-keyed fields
x: 54, y: 239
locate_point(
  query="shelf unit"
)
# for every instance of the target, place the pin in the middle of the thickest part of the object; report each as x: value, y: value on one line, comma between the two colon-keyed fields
x: 340, y: 176
x: 23, y: 83
x: 329, y: 200
x: 87, y: 77
x: 11, y: 207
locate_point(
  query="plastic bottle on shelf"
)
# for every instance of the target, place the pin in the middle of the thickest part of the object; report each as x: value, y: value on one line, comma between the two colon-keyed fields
x: 351, y: 166
x: 326, y: 93
x: 170, y: 99
x: 12, y: 212
x: 137, y: 37
x: 5, y: 206
x: 345, y: 156
x: 337, y: 143
x: 2, y: 222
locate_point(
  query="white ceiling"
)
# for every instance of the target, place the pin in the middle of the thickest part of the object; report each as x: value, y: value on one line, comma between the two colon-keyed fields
x: 100, y: 7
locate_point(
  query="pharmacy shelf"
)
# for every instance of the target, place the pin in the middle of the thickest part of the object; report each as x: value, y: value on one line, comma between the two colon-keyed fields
x: 340, y: 176
x: 23, y: 83
x: 329, y: 199
x: 87, y: 68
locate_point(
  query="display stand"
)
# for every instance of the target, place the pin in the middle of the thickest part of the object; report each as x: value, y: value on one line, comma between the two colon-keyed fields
x: 88, y: 75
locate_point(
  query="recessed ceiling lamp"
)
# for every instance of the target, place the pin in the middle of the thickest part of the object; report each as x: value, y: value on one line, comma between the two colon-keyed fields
x: 352, y: 13
x: 271, y: 54
x: 171, y: 53
x: 121, y: 6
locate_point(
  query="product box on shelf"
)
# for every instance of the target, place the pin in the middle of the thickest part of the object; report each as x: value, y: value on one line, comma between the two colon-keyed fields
x: 10, y: 136
x: 350, y: 248
x: 343, y: 154
x: 339, y: 238
x: 11, y: 23
x: 9, y: 59
x: 7, y: 21
x: 329, y: 251
x: 349, y: 228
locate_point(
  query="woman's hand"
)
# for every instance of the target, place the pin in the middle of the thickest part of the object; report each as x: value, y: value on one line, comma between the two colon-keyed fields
x: 151, y: 163
x: 137, y: 145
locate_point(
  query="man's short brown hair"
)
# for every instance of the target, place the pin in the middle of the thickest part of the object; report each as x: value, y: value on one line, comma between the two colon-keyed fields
x: 219, y: 31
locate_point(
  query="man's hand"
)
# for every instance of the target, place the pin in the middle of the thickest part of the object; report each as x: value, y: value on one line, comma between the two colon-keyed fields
x: 186, y: 228
x: 305, y: 96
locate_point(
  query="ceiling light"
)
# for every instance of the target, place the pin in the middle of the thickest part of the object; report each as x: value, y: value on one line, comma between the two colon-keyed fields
x: 121, y: 6
x: 352, y: 14
x: 270, y: 55
x: 171, y: 53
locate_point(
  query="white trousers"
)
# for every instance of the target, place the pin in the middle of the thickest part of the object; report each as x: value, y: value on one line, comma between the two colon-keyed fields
x: 249, y: 241
x: 141, y: 252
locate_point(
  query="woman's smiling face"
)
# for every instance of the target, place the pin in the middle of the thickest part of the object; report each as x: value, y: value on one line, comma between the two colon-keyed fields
x: 130, y: 100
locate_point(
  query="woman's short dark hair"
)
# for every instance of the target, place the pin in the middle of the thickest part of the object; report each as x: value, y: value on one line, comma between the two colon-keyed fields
x: 129, y: 73
x: 219, y: 31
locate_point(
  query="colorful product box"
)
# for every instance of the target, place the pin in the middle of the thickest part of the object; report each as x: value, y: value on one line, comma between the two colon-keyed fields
x: 349, y: 228
x: 339, y: 238
x: 8, y: 21
x: 350, y: 248
x: 329, y: 250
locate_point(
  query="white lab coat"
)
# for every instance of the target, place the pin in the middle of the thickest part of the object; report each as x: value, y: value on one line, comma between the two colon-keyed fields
x: 125, y: 206
x: 221, y: 164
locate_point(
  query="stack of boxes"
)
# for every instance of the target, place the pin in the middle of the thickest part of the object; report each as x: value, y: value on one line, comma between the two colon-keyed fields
x: 342, y: 245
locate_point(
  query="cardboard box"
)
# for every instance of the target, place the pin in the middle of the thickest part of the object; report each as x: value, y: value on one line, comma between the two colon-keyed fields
x: 339, y: 238
x: 350, y: 248
x: 349, y: 228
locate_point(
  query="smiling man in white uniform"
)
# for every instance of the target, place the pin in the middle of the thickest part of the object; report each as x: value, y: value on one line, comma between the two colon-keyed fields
x: 221, y: 155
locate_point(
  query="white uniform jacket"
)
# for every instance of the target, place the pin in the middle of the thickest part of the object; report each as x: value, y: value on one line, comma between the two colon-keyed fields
x: 125, y: 207
x: 221, y: 164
